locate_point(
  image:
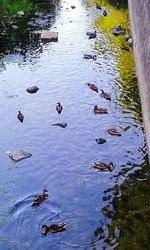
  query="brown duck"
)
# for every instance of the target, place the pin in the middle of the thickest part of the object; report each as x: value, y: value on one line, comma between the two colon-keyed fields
x: 100, y: 110
x: 125, y: 47
x: 93, y: 86
x: 20, y: 116
x: 103, y: 166
x: 105, y: 95
x: 54, y: 228
x: 59, y: 108
x: 40, y: 198
x: 113, y: 131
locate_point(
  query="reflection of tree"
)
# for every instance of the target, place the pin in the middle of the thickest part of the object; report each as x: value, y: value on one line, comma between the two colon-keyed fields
x: 116, y: 3
x: 128, y: 96
x: 131, y: 212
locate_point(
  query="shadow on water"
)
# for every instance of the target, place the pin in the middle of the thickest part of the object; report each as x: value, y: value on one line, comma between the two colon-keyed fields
x: 102, y: 209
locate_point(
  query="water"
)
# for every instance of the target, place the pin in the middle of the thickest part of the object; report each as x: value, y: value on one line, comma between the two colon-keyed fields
x: 62, y: 159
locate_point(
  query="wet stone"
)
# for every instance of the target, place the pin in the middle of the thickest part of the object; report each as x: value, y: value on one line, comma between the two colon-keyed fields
x: 49, y: 36
x: 32, y: 89
x: 18, y: 155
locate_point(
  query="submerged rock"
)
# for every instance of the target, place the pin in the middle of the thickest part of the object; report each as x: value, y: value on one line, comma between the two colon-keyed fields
x: 32, y: 89
x: 18, y: 155
x: 60, y: 124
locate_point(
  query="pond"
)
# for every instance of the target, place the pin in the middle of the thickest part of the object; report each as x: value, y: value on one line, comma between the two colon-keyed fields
x: 62, y: 158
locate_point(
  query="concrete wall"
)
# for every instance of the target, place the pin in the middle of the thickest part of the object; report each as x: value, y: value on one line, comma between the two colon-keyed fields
x: 139, y: 12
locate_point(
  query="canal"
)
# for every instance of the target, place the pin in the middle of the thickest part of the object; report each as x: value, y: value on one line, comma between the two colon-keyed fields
x: 102, y: 209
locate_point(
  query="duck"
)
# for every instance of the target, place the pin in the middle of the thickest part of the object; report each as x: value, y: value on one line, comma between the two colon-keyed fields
x: 113, y: 131
x: 105, y: 95
x: 20, y: 116
x: 92, y: 34
x: 98, y: 7
x: 105, y: 13
x: 60, y: 124
x: 59, y: 108
x: 2, y: 65
x: 54, y: 228
x: 100, y: 140
x: 98, y: 110
x: 93, y: 86
x: 40, y: 198
x: 125, y: 47
x: 103, y: 166
x: 88, y: 56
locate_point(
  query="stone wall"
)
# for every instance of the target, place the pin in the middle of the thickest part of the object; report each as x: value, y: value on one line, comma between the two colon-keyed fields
x: 139, y: 12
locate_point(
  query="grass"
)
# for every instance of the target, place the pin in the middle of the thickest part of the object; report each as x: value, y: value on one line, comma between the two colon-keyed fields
x: 13, y: 6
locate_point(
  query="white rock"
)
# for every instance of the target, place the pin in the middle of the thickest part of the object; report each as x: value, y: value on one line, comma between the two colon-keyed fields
x: 20, y: 13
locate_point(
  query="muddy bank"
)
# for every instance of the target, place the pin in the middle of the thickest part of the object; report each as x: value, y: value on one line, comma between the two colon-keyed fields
x: 139, y: 17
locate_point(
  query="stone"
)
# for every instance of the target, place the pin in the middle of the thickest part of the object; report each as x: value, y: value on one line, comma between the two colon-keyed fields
x: 20, y: 13
x: 18, y: 155
x: 118, y: 30
x: 49, y: 36
x: 130, y: 41
x: 73, y: 7
x: 14, y: 27
x: 32, y: 89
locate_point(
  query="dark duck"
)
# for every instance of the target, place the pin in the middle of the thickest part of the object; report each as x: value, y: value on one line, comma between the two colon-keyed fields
x: 98, y: 110
x: 93, y: 86
x: 59, y: 108
x: 40, y: 198
x: 20, y: 116
x: 54, y: 228
x: 105, y: 95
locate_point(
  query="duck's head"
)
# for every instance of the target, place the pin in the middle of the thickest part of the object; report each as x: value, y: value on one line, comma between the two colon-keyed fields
x: 44, y: 226
x: 110, y: 166
x: 19, y: 112
x: 95, y: 107
x: 45, y: 191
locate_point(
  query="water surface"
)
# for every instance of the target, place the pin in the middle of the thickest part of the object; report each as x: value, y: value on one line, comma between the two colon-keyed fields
x: 62, y: 159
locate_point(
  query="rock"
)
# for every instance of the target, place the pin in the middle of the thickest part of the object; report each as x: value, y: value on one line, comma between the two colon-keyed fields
x: 100, y: 140
x: 14, y: 27
x: 118, y: 30
x: 49, y: 36
x: 18, y: 155
x: 32, y: 89
x: 60, y: 124
x: 73, y: 7
x: 130, y: 41
x: 20, y: 13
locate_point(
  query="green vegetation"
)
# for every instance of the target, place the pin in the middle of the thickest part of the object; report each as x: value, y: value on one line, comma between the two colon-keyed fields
x: 12, y: 6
